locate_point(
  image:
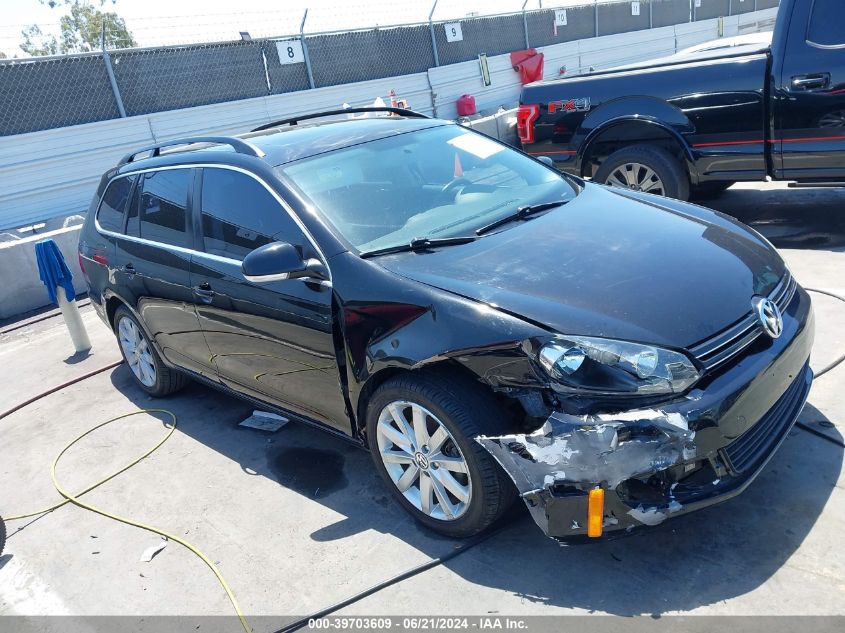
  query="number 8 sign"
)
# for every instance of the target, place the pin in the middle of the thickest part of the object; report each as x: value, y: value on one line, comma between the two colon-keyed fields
x: 290, y: 51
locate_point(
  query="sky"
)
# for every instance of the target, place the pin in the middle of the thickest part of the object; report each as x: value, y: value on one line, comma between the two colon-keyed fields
x: 162, y: 22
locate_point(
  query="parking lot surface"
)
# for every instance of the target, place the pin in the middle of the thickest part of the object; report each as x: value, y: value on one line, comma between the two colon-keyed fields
x: 297, y: 520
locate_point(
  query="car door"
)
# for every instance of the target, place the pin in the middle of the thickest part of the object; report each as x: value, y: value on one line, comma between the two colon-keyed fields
x: 270, y: 340
x: 809, y: 140
x: 152, y: 261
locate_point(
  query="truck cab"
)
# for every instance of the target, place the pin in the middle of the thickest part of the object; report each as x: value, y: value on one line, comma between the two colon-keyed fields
x: 698, y: 122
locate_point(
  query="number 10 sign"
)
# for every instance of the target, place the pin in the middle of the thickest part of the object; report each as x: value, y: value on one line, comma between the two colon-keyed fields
x: 290, y: 51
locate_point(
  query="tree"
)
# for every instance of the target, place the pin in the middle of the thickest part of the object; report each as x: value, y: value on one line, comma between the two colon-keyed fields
x: 36, y: 43
x: 81, y: 30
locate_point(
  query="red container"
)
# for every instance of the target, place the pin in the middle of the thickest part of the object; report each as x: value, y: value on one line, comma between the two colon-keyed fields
x: 466, y: 105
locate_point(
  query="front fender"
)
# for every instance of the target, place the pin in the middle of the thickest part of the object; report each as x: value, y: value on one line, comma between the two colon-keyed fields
x: 429, y: 326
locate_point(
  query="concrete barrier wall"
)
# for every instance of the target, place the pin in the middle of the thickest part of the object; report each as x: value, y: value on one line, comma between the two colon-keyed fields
x: 21, y: 289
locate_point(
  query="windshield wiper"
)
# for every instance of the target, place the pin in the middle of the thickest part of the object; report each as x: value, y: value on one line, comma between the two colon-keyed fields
x: 421, y: 243
x: 520, y: 214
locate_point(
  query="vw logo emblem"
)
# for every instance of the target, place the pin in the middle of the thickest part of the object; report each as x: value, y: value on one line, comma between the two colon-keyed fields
x: 421, y: 460
x: 769, y: 316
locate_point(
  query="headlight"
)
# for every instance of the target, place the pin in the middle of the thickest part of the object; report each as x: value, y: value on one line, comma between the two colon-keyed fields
x: 608, y: 367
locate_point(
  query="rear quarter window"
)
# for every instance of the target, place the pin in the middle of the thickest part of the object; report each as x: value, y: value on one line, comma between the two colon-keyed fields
x: 110, y: 213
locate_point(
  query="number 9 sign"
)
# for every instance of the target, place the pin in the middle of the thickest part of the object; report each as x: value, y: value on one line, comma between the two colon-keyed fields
x: 290, y: 51
x: 453, y: 32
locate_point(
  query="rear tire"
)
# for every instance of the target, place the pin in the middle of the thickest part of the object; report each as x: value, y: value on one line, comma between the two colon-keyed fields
x: 465, y: 410
x: 645, y: 168
x: 148, y: 370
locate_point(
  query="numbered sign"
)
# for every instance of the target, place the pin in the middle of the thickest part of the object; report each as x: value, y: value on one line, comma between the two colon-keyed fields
x: 453, y: 32
x: 290, y: 51
x: 560, y: 17
x: 635, y: 7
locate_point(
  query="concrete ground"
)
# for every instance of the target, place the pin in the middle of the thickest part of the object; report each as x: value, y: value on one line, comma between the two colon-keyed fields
x: 298, y: 520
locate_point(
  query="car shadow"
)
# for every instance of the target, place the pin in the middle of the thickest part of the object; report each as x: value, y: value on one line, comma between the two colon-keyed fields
x: 789, y: 218
x: 742, y: 542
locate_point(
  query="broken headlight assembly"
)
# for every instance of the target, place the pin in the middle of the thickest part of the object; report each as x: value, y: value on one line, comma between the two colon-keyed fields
x: 615, y: 368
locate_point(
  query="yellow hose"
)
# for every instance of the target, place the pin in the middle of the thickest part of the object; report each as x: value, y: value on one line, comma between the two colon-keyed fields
x: 74, y: 499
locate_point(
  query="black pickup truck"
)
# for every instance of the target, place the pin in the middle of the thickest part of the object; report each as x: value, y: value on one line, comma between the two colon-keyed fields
x: 694, y: 124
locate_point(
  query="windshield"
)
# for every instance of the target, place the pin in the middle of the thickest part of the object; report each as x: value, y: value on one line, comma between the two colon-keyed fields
x: 435, y: 183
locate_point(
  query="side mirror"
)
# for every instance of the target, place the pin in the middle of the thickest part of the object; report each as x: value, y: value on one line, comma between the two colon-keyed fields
x: 278, y: 261
x: 546, y: 161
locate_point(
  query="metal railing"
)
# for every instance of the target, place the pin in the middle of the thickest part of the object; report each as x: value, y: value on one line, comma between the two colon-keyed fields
x: 46, y: 92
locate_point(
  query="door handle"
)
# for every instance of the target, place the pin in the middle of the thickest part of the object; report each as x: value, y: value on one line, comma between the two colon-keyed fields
x: 204, y: 292
x: 814, y: 81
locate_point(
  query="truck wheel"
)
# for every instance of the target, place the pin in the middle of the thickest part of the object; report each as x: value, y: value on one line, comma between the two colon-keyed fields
x: 645, y: 168
x: 710, y: 189
x: 421, y: 432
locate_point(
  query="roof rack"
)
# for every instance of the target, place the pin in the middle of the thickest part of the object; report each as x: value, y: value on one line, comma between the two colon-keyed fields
x: 239, y: 145
x: 317, y: 115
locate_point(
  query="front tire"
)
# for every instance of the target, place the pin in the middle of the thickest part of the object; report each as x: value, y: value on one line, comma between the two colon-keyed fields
x: 645, y: 168
x: 421, y: 431
x: 148, y: 370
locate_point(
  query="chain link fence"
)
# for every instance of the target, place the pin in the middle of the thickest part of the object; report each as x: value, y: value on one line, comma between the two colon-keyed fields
x: 45, y: 93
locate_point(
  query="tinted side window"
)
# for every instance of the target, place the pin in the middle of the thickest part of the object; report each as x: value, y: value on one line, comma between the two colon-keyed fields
x: 239, y: 214
x: 110, y: 215
x: 163, y: 206
x: 826, y: 23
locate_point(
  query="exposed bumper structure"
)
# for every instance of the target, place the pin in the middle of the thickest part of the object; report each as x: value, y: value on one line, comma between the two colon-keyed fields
x: 658, y: 463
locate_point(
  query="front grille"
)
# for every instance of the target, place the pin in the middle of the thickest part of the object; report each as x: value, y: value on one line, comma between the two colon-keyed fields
x: 730, y: 342
x: 752, y: 447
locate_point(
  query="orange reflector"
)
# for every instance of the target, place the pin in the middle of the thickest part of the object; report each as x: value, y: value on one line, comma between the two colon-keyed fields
x: 595, y: 512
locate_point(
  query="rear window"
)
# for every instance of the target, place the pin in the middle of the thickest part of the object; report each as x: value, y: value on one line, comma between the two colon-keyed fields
x: 825, y: 28
x: 110, y: 215
x: 159, y: 210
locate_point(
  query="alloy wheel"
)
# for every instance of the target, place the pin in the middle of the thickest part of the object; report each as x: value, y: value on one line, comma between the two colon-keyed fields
x: 423, y: 460
x: 636, y: 176
x: 137, y: 351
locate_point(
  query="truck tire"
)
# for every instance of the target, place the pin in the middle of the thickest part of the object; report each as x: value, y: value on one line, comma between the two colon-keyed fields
x: 645, y: 168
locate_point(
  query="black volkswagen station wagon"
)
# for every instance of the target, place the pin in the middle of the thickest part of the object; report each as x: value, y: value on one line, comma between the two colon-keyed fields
x: 485, y: 325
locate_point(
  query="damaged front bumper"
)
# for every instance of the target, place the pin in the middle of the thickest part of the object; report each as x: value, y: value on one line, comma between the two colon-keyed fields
x: 654, y: 464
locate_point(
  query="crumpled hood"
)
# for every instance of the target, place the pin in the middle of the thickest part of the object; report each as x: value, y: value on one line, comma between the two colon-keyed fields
x: 613, y: 264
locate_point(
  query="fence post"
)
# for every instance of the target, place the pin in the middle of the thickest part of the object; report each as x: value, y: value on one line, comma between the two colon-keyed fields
x: 305, y: 49
x: 730, y: 7
x: 651, y: 14
x: 433, y: 39
x: 110, y: 72
x: 525, y: 24
x: 596, y: 12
